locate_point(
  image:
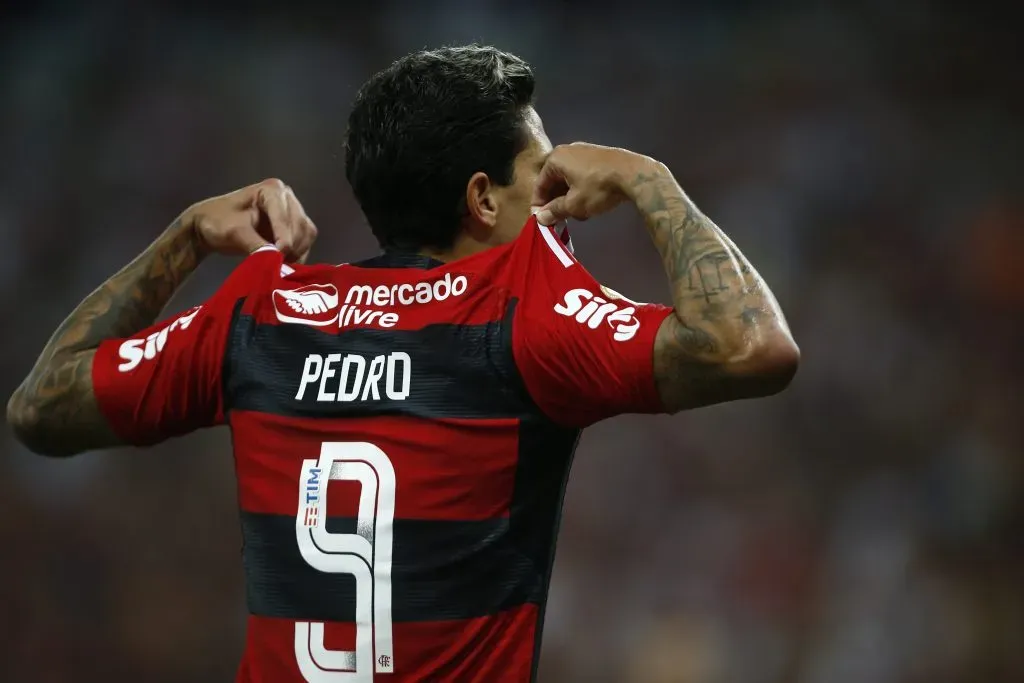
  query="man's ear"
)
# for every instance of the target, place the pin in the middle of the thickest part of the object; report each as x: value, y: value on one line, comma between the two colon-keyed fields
x: 482, y: 205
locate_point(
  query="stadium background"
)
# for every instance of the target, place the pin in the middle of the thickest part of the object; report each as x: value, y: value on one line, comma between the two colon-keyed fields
x: 866, y: 527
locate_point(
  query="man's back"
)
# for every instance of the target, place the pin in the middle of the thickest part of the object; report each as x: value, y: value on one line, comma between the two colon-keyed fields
x: 399, y: 489
x: 403, y: 430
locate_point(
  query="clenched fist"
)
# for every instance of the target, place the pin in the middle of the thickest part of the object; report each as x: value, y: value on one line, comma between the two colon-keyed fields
x: 582, y: 180
x: 240, y: 222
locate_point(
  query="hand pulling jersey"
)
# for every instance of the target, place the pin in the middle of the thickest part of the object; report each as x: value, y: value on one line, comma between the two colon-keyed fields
x: 403, y: 431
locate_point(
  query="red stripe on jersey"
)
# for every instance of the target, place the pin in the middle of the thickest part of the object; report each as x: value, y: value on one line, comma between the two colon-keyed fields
x: 458, y: 469
x: 496, y: 649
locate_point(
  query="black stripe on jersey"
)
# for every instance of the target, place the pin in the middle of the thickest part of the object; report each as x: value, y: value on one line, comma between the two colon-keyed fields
x: 440, y: 570
x: 546, y: 452
x: 457, y: 371
x: 229, y: 350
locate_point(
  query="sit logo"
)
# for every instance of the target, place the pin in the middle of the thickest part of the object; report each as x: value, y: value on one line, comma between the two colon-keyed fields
x: 134, y: 351
x: 593, y: 311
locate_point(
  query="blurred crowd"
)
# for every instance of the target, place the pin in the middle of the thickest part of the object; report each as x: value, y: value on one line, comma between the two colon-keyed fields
x: 866, y: 526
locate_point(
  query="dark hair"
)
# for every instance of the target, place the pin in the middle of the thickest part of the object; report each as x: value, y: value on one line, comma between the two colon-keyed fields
x: 422, y: 127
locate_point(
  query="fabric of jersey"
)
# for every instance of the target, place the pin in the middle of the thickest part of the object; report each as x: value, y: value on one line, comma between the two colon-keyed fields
x: 402, y: 431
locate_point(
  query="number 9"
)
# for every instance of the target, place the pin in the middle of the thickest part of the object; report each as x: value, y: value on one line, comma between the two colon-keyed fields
x: 365, y: 555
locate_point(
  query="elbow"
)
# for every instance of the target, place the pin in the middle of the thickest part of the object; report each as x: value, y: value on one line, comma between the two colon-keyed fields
x: 768, y: 366
x: 29, y: 428
x: 24, y: 421
x: 726, y: 367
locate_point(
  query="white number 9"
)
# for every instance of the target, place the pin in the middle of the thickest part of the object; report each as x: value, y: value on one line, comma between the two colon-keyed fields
x: 365, y: 555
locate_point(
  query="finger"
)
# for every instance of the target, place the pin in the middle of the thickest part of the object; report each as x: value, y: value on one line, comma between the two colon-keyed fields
x: 242, y: 237
x: 305, y: 229
x: 573, y: 204
x: 248, y: 232
x: 249, y: 240
x: 306, y: 238
x: 302, y: 238
x: 551, y: 183
x: 272, y: 199
x: 554, y: 211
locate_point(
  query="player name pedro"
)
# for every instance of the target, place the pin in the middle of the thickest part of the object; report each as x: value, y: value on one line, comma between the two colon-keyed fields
x: 344, y: 378
x: 351, y: 377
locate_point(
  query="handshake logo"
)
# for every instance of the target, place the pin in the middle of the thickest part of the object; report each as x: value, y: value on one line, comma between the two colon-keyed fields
x: 321, y: 305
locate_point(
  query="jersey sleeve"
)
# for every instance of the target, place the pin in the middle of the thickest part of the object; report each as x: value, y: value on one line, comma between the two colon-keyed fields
x: 167, y: 379
x: 585, y: 352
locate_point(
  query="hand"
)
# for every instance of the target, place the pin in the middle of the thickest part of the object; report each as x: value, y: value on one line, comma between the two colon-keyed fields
x: 240, y: 222
x: 583, y: 180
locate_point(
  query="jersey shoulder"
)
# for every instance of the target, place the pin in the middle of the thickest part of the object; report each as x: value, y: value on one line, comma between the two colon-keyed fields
x: 407, y: 290
x: 530, y: 264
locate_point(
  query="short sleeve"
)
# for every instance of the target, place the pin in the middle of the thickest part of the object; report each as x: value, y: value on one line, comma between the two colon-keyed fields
x: 167, y: 380
x: 584, y: 351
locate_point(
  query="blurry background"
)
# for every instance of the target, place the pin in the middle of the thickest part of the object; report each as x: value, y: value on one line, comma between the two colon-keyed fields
x: 867, y: 526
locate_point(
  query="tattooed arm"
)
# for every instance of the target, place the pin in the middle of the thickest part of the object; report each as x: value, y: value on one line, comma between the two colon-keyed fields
x: 728, y: 338
x: 54, y: 411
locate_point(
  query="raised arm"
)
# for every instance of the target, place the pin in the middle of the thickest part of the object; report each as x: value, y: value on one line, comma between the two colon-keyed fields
x: 728, y: 338
x: 54, y: 411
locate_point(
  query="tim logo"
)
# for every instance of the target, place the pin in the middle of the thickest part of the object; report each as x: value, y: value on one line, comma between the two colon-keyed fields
x: 315, y: 305
x: 311, y: 489
x: 592, y: 311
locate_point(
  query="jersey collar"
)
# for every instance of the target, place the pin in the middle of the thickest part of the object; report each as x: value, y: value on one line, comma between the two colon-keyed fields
x: 400, y: 259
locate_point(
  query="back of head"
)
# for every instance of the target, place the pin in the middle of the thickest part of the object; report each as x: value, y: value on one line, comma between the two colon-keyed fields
x: 422, y: 127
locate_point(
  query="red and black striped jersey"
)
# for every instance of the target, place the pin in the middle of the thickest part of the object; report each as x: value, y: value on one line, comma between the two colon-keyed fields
x: 403, y: 430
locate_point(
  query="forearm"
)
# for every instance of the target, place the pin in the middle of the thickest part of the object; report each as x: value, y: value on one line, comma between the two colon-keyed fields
x: 729, y: 338
x: 54, y: 410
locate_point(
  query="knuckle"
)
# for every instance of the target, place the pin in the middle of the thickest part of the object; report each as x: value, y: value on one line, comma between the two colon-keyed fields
x: 273, y: 184
x: 203, y: 223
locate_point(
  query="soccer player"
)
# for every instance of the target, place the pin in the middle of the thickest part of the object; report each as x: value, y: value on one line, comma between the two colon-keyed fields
x: 403, y: 426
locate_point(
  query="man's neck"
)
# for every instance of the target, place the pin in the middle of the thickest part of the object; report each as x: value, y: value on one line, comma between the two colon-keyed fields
x: 464, y: 246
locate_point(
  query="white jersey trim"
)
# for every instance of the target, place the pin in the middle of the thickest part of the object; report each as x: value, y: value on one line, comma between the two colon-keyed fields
x: 555, y: 245
x: 286, y: 270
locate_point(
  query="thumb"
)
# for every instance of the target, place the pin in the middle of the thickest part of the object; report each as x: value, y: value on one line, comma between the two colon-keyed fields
x: 284, y: 245
x: 552, y: 212
x: 249, y: 240
x: 568, y: 205
x: 236, y: 234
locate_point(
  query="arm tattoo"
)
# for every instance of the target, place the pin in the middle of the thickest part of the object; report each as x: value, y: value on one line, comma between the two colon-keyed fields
x: 720, y: 301
x: 54, y: 410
